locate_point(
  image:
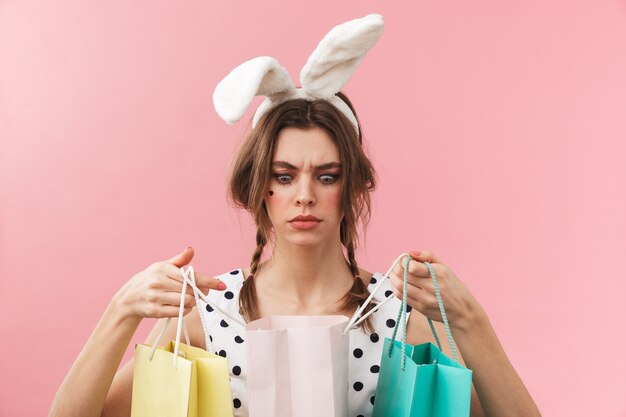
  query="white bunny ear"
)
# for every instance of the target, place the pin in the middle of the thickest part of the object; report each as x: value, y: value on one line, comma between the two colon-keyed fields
x: 338, y: 55
x: 261, y: 76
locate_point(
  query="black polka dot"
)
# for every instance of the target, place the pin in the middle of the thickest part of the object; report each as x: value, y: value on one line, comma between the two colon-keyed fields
x: 235, y: 272
x: 210, y: 338
x: 374, y: 337
x: 388, y: 293
x: 238, y: 339
x: 222, y: 353
x: 209, y: 308
x: 373, y: 280
x: 236, y: 370
x: 375, y: 369
x: 391, y: 323
x: 224, y: 324
x: 360, y: 415
x: 372, y: 399
x: 236, y: 403
x: 357, y: 353
x: 408, y: 308
x: 229, y: 295
x: 358, y: 386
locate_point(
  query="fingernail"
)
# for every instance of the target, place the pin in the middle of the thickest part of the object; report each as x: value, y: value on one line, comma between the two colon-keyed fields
x: 415, y: 253
x: 221, y: 286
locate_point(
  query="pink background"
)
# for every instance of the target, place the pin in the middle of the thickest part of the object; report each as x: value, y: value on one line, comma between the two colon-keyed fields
x: 497, y: 128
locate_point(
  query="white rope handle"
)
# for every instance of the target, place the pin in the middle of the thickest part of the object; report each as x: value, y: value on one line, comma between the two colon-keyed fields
x: 190, y: 278
x: 181, y: 326
x: 181, y: 313
x: 214, y: 306
x: 355, y: 320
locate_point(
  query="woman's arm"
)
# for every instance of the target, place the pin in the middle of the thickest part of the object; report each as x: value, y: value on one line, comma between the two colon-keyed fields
x: 154, y: 292
x: 496, y: 385
x: 85, y: 386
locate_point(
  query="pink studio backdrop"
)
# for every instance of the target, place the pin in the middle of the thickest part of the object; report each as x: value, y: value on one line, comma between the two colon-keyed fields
x: 497, y: 128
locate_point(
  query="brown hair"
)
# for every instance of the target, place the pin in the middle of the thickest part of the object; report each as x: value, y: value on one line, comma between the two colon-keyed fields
x: 251, y: 175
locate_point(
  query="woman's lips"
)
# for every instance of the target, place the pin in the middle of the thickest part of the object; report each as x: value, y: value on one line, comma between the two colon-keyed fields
x: 304, y: 224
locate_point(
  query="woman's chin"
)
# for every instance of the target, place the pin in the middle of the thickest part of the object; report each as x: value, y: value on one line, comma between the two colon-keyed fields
x: 304, y: 239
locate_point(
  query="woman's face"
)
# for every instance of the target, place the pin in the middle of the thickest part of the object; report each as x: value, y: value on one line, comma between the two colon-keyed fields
x: 306, y: 180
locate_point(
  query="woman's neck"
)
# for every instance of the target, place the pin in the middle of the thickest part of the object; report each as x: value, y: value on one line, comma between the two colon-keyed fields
x: 305, y: 274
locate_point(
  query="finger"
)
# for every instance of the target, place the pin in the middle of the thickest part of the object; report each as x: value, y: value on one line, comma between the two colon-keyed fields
x: 173, y: 299
x: 171, y: 284
x: 172, y: 311
x: 183, y: 258
x: 416, y: 268
x: 422, y: 274
x: 425, y: 304
x: 208, y: 282
x: 203, y: 282
x: 399, y: 266
x: 413, y: 290
x: 424, y: 256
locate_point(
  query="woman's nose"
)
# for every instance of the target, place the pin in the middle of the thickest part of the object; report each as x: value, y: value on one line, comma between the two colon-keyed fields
x: 306, y: 195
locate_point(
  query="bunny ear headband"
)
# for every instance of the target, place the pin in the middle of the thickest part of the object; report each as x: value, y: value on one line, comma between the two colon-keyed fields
x: 328, y: 69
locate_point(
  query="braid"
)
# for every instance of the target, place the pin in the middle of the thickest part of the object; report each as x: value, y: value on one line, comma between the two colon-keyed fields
x: 261, y: 241
x: 248, y: 305
x: 351, y: 261
x: 359, y: 292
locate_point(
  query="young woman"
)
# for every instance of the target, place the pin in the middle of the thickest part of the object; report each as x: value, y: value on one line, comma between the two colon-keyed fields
x: 303, y: 175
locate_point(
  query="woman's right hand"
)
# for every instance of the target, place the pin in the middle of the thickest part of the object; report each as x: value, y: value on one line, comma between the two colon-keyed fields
x: 155, y: 291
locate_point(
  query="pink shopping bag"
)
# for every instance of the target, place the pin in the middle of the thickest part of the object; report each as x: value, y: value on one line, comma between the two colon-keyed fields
x: 297, y: 366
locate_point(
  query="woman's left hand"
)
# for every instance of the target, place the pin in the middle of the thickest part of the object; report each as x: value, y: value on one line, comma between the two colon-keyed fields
x: 460, y: 305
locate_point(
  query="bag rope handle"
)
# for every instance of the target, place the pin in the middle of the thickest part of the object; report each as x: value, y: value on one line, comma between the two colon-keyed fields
x: 189, y: 279
x: 213, y: 306
x: 180, y: 326
x: 402, y: 313
x: 355, y: 320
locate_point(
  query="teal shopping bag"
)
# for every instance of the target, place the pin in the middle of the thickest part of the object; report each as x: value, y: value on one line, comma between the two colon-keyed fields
x: 420, y: 381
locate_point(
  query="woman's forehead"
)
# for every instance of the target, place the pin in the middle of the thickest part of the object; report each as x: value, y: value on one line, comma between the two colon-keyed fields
x: 305, y: 146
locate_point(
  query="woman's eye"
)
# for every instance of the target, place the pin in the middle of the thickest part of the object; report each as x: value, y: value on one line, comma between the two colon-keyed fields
x: 328, y: 178
x: 325, y: 179
x: 283, y: 178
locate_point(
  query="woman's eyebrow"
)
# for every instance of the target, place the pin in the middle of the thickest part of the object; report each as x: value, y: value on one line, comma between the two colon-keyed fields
x: 327, y: 165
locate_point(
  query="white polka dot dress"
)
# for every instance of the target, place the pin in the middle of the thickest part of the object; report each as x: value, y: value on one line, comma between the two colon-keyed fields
x: 227, y: 338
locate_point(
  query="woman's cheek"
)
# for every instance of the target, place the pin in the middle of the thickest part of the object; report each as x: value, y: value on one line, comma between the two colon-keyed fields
x: 275, y: 197
x: 333, y: 198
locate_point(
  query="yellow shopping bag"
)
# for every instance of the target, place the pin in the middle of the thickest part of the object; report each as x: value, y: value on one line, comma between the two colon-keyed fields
x: 180, y: 380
